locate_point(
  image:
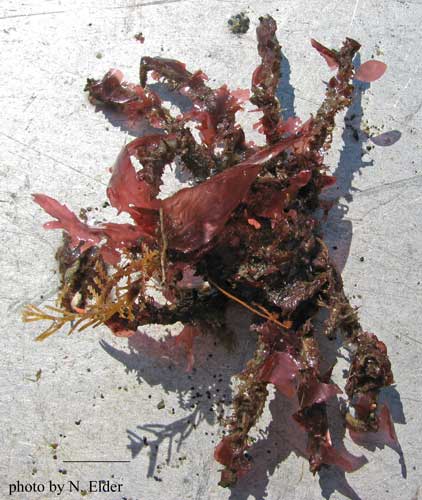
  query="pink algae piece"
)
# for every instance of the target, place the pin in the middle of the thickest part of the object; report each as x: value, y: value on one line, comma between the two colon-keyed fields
x: 387, y: 138
x: 119, y: 330
x: 195, y: 215
x: 327, y: 181
x: 254, y: 223
x: 179, y: 349
x: 112, y: 88
x: 342, y: 458
x: 370, y: 71
x: 185, y: 339
x: 223, y: 452
x: 273, y: 207
x: 190, y: 279
x: 225, y: 102
x: 126, y: 191
x: 329, y: 55
x: 290, y: 126
x: 68, y: 221
x: 318, y: 392
x: 386, y: 434
x: 229, y: 454
x: 132, y: 100
x: 281, y: 370
x: 117, y: 235
x: 242, y: 95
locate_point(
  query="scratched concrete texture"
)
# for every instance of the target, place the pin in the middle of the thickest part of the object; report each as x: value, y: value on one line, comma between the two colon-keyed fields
x: 94, y: 397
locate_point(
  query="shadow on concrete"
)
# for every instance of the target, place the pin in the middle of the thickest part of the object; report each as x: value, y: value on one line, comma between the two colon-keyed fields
x: 338, y: 228
x: 137, y: 128
x: 285, y: 91
x: 205, y: 392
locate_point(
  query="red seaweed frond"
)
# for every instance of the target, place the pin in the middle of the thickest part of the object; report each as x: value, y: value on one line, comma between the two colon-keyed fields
x: 246, y: 230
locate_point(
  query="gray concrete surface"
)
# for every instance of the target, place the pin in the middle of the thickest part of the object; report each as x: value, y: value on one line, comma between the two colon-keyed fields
x: 97, y: 399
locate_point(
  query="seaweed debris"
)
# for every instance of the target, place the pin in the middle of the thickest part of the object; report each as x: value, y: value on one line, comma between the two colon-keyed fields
x: 245, y: 231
